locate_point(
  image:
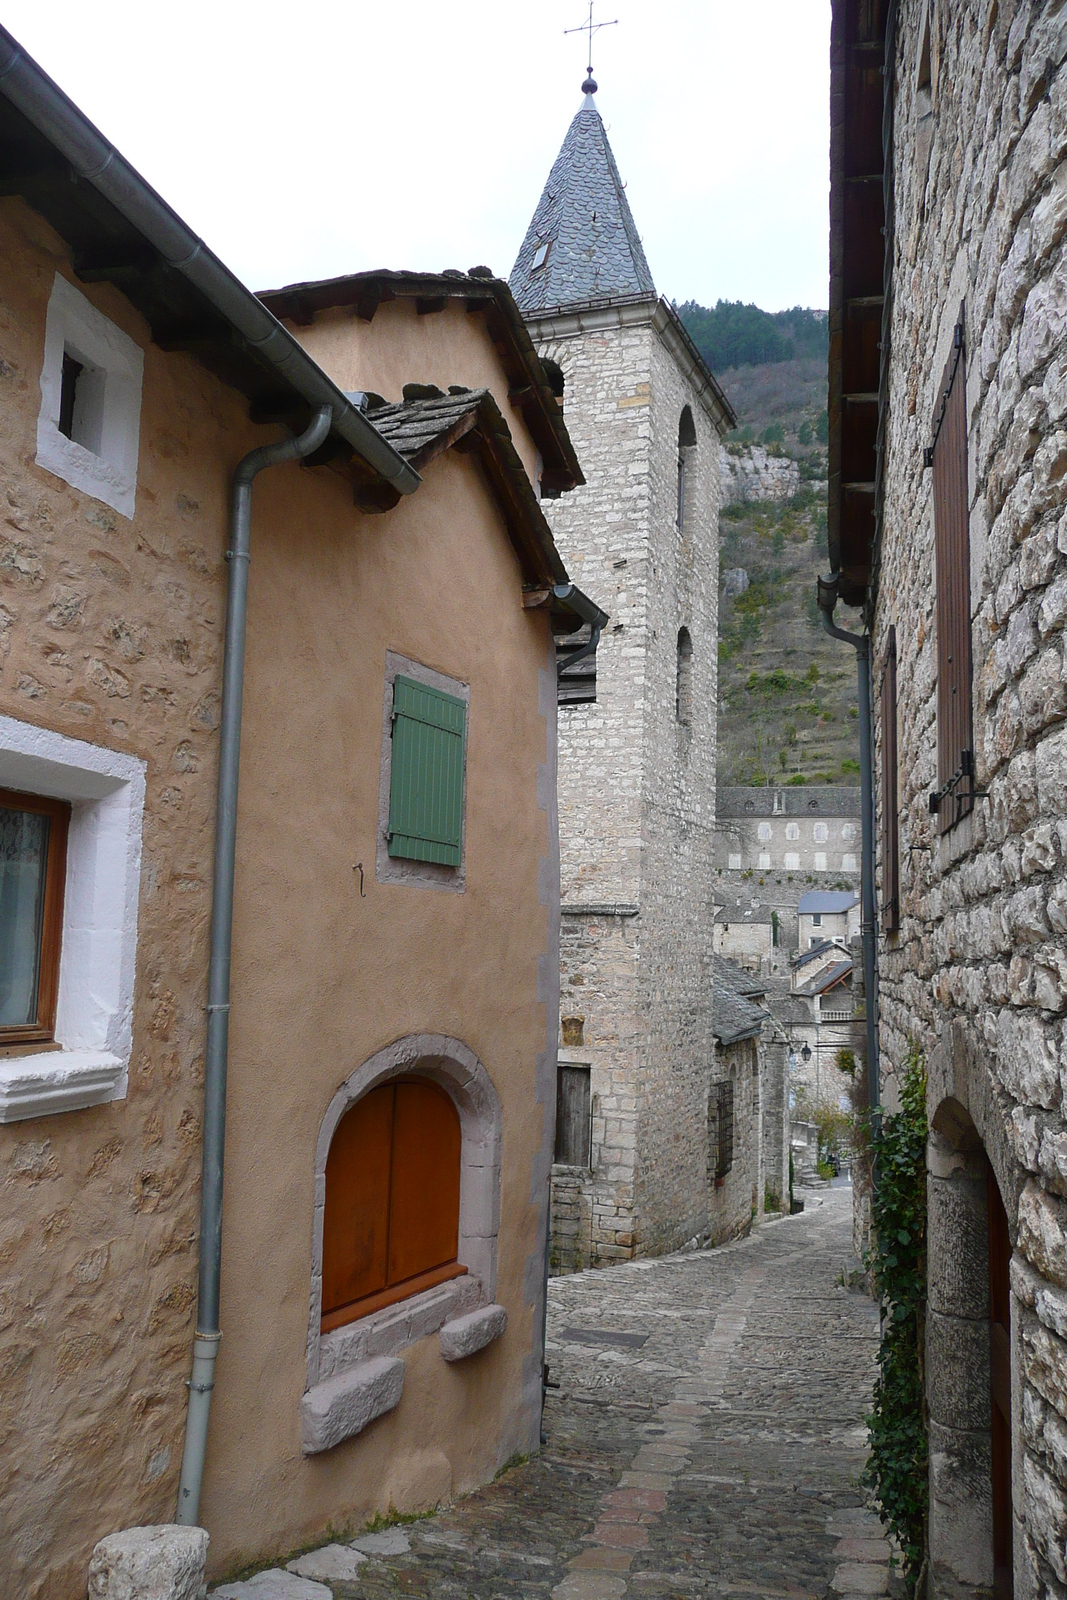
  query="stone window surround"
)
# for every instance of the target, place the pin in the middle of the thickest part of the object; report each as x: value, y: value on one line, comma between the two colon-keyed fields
x: 397, y: 869
x: 94, y: 1010
x: 456, y: 1069
x: 73, y: 322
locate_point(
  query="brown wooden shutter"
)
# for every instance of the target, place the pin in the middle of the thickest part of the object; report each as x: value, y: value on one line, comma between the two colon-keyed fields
x: 890, y: 817
x: 948, y: 457
x: 424, y: 1197
x: 355, y: 1236
x: 572, y: 1115
x: 391, y: 1218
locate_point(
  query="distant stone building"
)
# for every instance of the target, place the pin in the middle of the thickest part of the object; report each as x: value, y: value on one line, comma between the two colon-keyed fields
x: 637, y: 736
x: 749, y: 1092
x: 749, y: 932
x: 773, y: 844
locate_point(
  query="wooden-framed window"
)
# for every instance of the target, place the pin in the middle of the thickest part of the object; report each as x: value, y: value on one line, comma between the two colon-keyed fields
x: 391, y: 1216
x: 426, y: 779
x: 33, y: 862
x: 573, y: 1115
x: 890, y: 807
x: 954, y: 796
x: 575, y: 685
x: 724, y: 1128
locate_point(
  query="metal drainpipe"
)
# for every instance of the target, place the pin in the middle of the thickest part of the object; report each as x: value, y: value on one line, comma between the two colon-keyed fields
x: 206, y: 1342
x: 861, y: 643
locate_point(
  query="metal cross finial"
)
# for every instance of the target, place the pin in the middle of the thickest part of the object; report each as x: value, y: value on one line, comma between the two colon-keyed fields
x: 590, y: 27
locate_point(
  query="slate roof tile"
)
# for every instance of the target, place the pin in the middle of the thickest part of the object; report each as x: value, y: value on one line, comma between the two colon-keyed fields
x: 583, y: 216
x: 734, y: 1016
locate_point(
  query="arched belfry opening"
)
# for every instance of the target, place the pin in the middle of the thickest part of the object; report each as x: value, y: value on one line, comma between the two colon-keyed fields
x: 683, y: 698
x: 687, y: 438
x: 968, y: 1362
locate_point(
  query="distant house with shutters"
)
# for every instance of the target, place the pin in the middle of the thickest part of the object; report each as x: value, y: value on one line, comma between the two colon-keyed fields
x: 947, y: 518
x: 637, y: 723
x: 310, y: 903
x: 827, y: 914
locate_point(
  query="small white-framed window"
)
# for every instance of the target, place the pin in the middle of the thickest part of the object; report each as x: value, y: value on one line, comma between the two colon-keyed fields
x: 816, y: 919
x: 792, y: 830
x: 734, y: 861
x: 820, y: 861
x: 93, y: 1025
x: 848, y: 864
x: 764, y: 832
x: 88, y: 428
x: 821, y: 833
x: 792, y: 861
x: 848, y: 832
x: 765, y: 861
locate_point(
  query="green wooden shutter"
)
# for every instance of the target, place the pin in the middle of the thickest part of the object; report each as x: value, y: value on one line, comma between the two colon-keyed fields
x: 426, y: 789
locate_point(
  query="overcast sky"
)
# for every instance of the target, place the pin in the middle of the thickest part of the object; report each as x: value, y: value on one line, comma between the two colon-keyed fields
x: 307, y: 140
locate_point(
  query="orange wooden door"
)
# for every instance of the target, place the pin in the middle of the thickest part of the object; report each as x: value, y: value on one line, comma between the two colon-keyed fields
x: 355, y: 1239
x: 424, y: 1198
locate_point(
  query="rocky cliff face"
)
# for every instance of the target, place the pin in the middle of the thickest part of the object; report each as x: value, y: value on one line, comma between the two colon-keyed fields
x: 750, y: 473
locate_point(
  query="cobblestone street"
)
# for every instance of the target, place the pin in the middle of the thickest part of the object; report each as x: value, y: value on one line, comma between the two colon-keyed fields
x: 706, y: 1439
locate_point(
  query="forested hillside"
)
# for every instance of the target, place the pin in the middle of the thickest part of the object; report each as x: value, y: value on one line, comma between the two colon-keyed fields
x: 730, y: 334
x: 787, y: 692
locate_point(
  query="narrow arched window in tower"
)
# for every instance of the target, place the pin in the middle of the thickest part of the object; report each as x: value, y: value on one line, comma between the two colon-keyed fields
x: 687, y: 438
x: 683, y: 700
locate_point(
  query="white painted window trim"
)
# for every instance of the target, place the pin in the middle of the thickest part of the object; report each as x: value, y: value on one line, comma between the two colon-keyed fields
x: 72, y: 322
x: 94, y: 1011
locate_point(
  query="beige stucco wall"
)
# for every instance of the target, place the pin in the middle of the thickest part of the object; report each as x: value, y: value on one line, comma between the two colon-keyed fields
x: 399, y: 346
x: 111, y: 631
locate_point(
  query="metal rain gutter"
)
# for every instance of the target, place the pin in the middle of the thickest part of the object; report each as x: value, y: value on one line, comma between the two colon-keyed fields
x: 208, y: 1332
x: 861, y: 643
x: 44, y: 104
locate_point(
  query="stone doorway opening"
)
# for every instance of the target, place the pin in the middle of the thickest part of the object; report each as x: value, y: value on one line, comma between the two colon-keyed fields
x: 968, y: 1363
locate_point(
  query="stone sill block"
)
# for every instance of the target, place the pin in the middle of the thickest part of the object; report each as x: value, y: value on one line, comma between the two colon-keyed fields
x: 58, y: 1080
x: 463, y: 1336
x: 342, y: 1406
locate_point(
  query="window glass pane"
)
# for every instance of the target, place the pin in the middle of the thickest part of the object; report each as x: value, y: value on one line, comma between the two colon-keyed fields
x: 23, y: 856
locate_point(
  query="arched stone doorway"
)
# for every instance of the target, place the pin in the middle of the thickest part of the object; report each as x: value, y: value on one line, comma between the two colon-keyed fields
x: 968, y: 1363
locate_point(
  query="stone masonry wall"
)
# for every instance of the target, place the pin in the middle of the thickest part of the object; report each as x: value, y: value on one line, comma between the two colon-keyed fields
x: 637, y: 787
x: 601, y: 531
x: 111, y: 633
x: 679, y: 806
x: 978, y: 974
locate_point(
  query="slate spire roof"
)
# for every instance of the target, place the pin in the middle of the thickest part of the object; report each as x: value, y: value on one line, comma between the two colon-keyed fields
x: 582, y: 244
